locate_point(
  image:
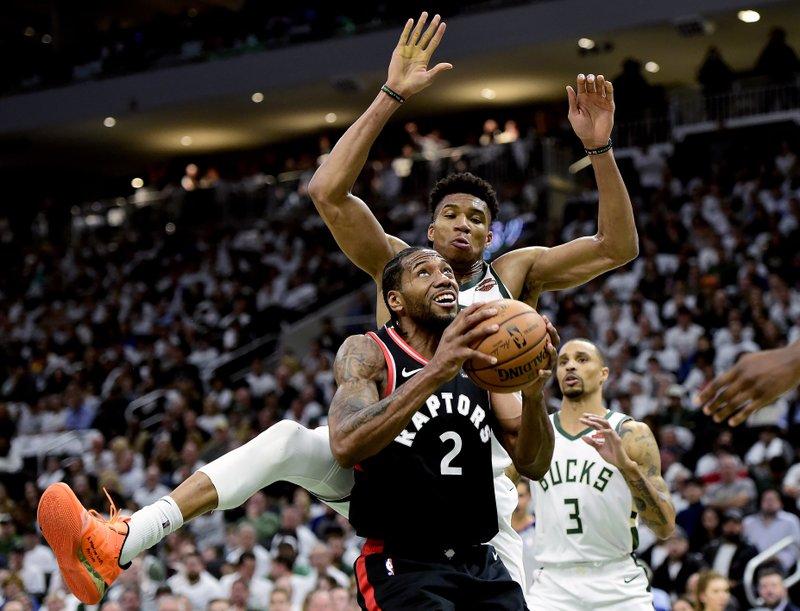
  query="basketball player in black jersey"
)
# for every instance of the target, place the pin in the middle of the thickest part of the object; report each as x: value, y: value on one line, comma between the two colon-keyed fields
x: 417, y: 432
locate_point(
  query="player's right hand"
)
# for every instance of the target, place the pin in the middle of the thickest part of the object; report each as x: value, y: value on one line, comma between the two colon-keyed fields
x: 467, y: 328
x: 408, y: 69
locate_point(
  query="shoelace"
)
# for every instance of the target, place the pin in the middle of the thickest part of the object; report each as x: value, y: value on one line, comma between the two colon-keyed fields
x: 114, y: 515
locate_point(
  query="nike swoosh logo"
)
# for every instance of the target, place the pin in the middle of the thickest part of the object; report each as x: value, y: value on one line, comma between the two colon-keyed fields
x: 631, y: 579
x: 407, y: 374
x: 494, y: 554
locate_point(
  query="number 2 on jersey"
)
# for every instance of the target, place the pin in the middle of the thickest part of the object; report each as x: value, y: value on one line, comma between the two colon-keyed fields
x: 576, y: 516
x: 445, y: 467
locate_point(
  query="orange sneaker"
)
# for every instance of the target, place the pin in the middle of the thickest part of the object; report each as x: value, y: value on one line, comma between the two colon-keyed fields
x: 86, y: 545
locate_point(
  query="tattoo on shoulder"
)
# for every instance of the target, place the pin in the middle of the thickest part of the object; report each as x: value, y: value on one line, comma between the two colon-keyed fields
x: 358, y: 359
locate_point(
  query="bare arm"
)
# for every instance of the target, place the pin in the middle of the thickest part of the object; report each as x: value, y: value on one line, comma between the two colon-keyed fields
x: 353, y: 225
x: 755, y: 381
x: 361, y: 423
x: 529, y: 271
x: 635, y: 453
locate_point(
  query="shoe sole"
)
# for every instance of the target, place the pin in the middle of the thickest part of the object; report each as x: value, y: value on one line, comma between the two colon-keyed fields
x: 62, y: 520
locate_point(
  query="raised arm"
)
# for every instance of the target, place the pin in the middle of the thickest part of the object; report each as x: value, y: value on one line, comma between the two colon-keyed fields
x: 361, y: 423
x: 353, y: 225
x: 529, y: 271
x: 634, y: 452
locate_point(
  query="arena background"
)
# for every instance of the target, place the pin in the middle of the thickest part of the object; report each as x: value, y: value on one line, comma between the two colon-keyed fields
x: 167, y: 281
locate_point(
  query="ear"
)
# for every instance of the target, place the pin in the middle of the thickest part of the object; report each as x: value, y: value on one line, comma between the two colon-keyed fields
x: 603, y: 375
x: 396, y: 302
x: 431, y: 230
x: 489, y: 237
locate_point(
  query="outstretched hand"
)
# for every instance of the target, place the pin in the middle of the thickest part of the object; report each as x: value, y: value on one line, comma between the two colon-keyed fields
x: 408, y: 70
x: 591, y: 109
x: 755, y: 381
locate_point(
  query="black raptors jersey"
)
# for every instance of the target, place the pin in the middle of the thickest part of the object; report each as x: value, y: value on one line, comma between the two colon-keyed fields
x: 434, y: 482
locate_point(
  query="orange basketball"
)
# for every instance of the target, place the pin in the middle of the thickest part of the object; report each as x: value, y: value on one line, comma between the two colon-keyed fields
x: 519, y: 345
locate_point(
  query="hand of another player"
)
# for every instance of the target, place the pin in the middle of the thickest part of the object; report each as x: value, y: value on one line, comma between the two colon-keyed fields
x: 606, y: 441
x: 466, y: 329
x: 408, y: 69
x: 551, y: 345
x: 755, y: 381
x: 591, y: 109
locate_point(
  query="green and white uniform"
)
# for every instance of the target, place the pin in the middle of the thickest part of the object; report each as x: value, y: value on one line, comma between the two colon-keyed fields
x: 507, y: 542
x: 585, y: 531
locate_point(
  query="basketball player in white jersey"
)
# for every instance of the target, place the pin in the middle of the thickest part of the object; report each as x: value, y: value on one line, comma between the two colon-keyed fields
x: 461, y: 232
x: 605, y: 474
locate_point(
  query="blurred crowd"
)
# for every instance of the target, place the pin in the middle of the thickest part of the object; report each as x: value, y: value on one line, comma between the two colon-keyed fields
x: 90, y: 325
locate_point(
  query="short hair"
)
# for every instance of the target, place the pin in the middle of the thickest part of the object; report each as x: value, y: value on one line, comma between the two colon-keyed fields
x: 465, y: 182
x: 770, y: 569
x: 246, y: 556
x: 599, y: 352
x: 393, y: 272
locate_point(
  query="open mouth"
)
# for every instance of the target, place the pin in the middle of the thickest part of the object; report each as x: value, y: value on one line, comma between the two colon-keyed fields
x: 445, y: 299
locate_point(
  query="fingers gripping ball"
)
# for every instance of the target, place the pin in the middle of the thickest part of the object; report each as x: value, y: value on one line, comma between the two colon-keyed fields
x: 519, y: 346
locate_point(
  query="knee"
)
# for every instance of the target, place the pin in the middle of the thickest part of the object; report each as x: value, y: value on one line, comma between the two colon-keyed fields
x: 283, y: 438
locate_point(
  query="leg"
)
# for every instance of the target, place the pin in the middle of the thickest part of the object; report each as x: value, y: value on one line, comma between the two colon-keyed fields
x: 285, y: 451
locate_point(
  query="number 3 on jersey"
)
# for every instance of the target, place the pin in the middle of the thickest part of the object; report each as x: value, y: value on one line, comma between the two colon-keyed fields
x: 576, y: 516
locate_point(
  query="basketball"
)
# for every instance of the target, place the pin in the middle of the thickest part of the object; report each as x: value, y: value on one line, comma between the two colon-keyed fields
x: 519, y: 346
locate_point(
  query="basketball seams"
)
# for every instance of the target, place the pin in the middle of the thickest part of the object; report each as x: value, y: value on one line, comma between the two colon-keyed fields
x: 515, y: 356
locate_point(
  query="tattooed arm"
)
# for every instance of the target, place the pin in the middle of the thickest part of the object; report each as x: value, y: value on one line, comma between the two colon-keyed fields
x: 634, y: 452
x: 643, y: 475
x: 361, y: 423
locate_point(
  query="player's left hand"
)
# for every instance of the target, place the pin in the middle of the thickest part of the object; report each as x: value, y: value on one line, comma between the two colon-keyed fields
x: 551, y: 345
x: 591, y: 109
x: 606, y: 441
x: 408, y: 69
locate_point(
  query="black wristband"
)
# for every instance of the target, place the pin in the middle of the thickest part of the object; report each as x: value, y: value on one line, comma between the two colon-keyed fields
x: 392, y: 94
x: 600, y: 150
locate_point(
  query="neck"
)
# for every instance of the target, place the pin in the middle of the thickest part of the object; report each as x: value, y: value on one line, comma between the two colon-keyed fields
x: 573, y: 409
x: 467, y: 272
x: 419, y: 338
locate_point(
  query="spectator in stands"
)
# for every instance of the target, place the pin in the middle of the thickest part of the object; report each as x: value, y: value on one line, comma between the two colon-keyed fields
x: 672, y: 574
x: 730, y: 554
x: 777, y: 60
x: 772, y: 590
x: 194, y: 582
x: 771, y: 524
x: 715, y: 76
x: 258, y: 588
x: 636, y: 94
x: 684, y: 335
x: 280, y: 600
x: 689, y: 517
x: 713, y: 592
x: 248, y: 542
x: 733, y: 490
x: 790, y: 488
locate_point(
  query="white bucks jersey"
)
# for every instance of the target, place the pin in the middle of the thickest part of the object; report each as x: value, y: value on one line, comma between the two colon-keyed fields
x: 583, y: 506
x: 489, y: 287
